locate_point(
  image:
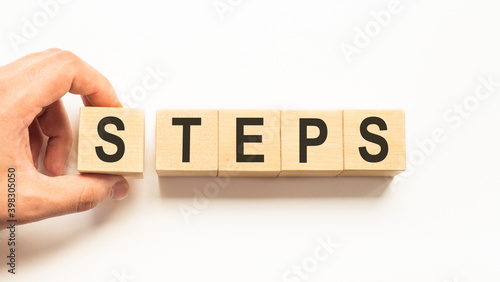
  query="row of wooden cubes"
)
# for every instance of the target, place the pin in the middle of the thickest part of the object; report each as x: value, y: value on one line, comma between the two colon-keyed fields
x: 245, y: 143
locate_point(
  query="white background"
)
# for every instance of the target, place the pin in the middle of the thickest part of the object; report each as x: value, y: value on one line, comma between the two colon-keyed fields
x: 438, y: 222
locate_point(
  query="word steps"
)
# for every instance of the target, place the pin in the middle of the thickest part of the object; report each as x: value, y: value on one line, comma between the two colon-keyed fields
x: 245, y: 143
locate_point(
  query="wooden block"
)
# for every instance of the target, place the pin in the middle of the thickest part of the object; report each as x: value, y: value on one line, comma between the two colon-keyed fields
x: 186, y: 142
x: 311, y: 143
x: 111, y: 141
x: 374, y: 143
x: 249, y: 143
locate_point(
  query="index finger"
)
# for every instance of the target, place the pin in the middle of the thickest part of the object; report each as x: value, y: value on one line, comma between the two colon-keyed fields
x: 50, y: 78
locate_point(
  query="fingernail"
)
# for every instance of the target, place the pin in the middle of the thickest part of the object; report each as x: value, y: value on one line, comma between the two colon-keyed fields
x: 120, y: 190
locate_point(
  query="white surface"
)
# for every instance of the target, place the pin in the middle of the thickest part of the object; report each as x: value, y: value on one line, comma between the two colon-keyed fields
x: 439, y: 224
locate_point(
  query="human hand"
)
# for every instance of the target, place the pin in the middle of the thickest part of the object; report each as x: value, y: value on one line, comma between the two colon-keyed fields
x: 30, y: 94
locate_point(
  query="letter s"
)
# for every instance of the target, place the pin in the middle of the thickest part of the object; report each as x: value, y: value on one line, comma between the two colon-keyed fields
x: 374, y: 138
x: 111, y: 138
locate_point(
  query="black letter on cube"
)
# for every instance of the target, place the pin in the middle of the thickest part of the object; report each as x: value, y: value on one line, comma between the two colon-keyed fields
x: 186, y: 135
x: 374, y: 138
x: 304, y: 141
x: 111, y: 138
x: 241, y: 139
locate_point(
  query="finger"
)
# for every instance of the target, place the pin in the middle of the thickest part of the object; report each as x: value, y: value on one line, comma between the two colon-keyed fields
x: 61, y: 72
x: 84, y: 80
x: 54, y: 123
x: 68, y: 194
x: 30, y: 59
x: 86, y: 101
x: 36, y: 140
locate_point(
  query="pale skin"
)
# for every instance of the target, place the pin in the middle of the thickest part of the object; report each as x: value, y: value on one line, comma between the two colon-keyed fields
x: 31, y: 89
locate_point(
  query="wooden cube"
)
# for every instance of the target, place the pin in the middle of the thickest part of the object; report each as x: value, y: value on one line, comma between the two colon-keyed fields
x: 311, y: 143
x: 111, y: 141
x: 249, y: 143
x: 374, y: 143
x: 186, y: 142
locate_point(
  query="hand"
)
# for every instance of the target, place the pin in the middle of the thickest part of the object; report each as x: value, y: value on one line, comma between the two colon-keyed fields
x: 30, y: 94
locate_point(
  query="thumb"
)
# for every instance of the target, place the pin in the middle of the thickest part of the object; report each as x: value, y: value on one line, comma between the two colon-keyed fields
x: 85, y: 191
x: 70, y: 194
